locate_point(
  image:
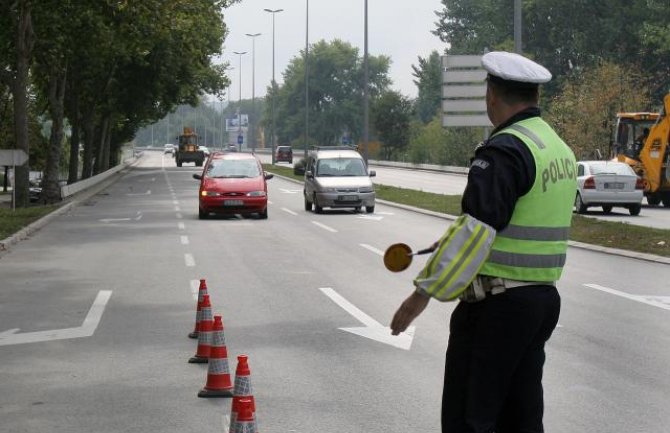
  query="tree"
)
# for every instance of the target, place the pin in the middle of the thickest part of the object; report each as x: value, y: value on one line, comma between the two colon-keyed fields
x: 391, y: 115
x: 428, y: 76
x: 335, y: 93
x: 18, y: 40
x: 584, y: 113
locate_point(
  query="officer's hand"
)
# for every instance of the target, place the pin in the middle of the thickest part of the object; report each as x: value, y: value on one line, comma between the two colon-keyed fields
x: 408, y: 311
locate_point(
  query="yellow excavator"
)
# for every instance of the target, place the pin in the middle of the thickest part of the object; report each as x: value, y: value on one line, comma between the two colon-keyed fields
x: 641, y: 140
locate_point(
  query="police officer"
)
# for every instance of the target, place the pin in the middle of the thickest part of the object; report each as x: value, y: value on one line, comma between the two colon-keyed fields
x: 521, y: 184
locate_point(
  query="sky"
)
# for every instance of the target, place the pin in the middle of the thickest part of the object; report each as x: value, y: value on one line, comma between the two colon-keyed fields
x: 399, y: 29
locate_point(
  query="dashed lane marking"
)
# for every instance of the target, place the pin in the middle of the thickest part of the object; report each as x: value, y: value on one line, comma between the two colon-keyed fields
x: 325, y: 227
x: 190, y: 261
x: 184, y: 240
x: 288, y: 211
x: 654, y: 301
x: 373, y: 249
x: 181, y: 226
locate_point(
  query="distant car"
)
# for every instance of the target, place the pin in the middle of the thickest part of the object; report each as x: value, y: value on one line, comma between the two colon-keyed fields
x: 337, y: 177
x: 232, y: 148
x: 168, y: 148
x: 233, y: 183
x: 284, y: 154
x: 608, y: 184
x: 204, y: 149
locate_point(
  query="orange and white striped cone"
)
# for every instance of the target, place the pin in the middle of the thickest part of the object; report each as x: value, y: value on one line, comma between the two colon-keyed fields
x: 218, y: 374
x: 202, y: 291
x: 204, y: 334
x: 242, y: 389
x: 246, y: 420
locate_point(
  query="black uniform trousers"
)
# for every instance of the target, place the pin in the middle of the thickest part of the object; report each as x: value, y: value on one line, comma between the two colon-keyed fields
x: 495, y: 355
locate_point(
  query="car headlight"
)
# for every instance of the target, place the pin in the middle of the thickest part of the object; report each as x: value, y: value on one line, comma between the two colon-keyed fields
x: 328, y: 190
x: 210, y: 194
x: 256, y: 194
x: 366, y: 189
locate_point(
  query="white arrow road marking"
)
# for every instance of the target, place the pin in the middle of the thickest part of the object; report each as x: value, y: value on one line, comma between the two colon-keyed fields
x: 10, y: 337
x: 373, y: 249
x: 649, y: 300
x: 373, y: 329
x: 114, y: 220
x: 325, y: 227
x: 288, y: 211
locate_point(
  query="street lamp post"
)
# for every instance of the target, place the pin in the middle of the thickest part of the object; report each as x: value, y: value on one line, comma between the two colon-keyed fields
x: 366, y: 96
x: 274, y: 83
x: 306, y: 76
x: 239, y: 104
x: 252, y: 120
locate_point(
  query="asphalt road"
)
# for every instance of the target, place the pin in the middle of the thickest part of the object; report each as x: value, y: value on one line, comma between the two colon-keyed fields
x: 103, y: 298
x: 454, y: 184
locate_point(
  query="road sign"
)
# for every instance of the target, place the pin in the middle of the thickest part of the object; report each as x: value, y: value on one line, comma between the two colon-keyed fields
x: 13, y: 157
x: 240, y: 139
x: 463, y: 92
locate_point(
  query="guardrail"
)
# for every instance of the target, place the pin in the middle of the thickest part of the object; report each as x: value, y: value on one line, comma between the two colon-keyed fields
x: 73, y: 188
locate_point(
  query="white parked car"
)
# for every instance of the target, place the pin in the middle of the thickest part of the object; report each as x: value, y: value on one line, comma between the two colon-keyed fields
x: 205, y: 150
x: 168, y: 148
x: 608, y: 184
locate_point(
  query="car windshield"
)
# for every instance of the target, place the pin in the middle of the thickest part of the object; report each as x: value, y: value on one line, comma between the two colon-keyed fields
x: 227, y: 168
x: 340, y: 167
x: 609, y: 168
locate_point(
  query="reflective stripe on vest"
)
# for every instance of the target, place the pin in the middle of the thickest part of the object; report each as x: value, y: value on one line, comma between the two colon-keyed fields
x: 533, y: 246
x: 460, y: 254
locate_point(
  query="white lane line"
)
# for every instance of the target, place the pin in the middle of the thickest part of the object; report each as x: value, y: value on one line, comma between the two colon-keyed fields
x: 288, y: 211
x: 181, y: 226
x: 373, y: 249
x: 190, y: 261
x: 195, y: 287
x: 325, y: 227
x: 636, y: 298
x: 179, y: 216
x: 184, y: 240
x: 269, y: 202
x: 177, y: 209
x: 175, y: 202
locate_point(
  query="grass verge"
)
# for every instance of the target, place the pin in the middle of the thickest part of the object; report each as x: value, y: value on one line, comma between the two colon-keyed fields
x: 588, y: 230
x: 11, y: 221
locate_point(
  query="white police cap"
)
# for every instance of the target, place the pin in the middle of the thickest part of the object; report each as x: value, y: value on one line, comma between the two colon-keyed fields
x: 515, y: 68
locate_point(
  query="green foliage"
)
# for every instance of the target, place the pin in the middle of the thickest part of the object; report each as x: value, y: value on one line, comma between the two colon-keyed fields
x: 566, y: 35
x: 335, y: 94
x: 391, y: 115
x: 428, y: 80
x: 584, y: 113
x: 433, y: 144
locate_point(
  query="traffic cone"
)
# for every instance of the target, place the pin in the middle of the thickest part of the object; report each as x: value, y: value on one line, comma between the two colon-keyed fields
x: 246, y: 420
x: 242, y: 389
x: 204, y: 333
x: 218, y: 374
x: 202, y: 291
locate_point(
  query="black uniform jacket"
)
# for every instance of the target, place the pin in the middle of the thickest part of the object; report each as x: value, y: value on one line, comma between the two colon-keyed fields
x: 502, y: 170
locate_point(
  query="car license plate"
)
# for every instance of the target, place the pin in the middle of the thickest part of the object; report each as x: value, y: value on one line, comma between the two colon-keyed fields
x: 348, y: 198
x: 614, y: 185
x: 233, y: 203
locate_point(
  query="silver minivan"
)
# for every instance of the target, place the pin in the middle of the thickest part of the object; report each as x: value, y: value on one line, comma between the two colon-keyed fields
x: 337, y: 177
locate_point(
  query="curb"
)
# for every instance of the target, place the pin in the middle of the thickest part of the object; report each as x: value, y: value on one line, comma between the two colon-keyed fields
x: 607, y: 250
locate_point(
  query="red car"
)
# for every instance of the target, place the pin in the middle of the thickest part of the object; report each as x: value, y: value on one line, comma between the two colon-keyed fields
x: 233, y: 183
